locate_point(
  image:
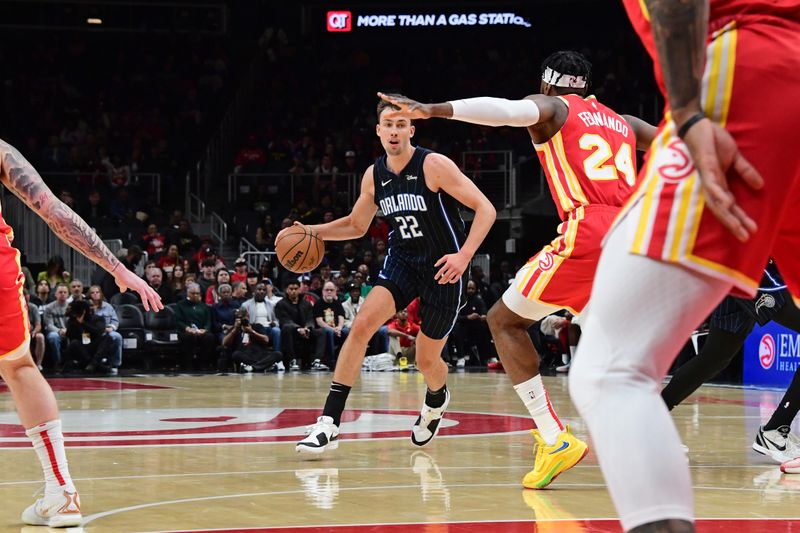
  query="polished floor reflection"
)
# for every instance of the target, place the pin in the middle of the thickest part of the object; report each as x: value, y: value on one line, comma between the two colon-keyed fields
x: 211, y: 453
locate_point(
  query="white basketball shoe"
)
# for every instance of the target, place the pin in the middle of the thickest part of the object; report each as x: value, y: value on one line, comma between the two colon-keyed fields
x: 778, y: 444
x: 54, y: 510
x: 427, y: 425
x: 322, y: 436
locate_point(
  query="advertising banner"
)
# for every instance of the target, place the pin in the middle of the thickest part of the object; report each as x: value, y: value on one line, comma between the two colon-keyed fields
x: 771, y: 356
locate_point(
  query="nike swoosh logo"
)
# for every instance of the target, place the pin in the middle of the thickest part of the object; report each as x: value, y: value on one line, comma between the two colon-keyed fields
x: 384, y: 183
x: 564, y: 446
x: 780, y: 448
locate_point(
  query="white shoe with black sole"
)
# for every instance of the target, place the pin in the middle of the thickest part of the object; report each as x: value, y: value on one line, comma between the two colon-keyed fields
x: 778, y: 444
x: 427, y: 425
x: 320, y: 437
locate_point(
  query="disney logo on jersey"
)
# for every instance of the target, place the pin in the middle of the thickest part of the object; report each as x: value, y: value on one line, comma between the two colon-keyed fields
x: 674, y: 163
x: 410, y: 177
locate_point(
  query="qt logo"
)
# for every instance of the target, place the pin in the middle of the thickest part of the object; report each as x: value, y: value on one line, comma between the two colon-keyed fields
x: 340, y: 21
x: 766, y: 351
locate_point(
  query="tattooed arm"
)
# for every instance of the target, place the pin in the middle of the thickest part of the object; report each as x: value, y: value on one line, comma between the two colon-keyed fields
x: 680, y: 29
x: 19, y: 176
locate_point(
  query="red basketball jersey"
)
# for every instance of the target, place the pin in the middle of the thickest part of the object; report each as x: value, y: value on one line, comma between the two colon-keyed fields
x: 721, y: 13
x: 5, y: 229
x: 592, y: 158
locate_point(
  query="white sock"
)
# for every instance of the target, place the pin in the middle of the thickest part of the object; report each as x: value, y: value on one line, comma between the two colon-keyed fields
x: 534, y: 396
x: 48, y: 441
x: 572, y: 351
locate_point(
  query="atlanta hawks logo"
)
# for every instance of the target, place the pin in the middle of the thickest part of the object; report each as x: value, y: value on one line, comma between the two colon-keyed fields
x: 239, y: 425
x: 766, y: 351
x: 546, y: 261
x: 674, y: 163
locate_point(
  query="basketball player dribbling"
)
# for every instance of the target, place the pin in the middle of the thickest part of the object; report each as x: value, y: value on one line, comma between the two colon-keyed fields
x: 588, y: 155
x: 730, y: 72
x: 33, y: 397
x: 419, y: 193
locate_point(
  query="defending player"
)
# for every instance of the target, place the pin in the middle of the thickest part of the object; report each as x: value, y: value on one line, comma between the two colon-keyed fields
x: 419, y: 193
x: 730, y: 324
x: 33, y: 397
x: 671, y: 259
x: 587, y: 152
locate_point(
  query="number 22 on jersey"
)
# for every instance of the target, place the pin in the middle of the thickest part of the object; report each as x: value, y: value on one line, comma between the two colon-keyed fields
x: 597, y: 165
x: 408, y: 226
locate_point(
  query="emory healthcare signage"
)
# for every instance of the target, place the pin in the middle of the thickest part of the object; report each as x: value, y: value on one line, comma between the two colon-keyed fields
x: 771, y: 356
x: 345, y: 21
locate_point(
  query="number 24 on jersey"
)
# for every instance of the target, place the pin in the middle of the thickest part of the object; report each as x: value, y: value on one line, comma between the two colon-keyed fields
x: 597, y: 166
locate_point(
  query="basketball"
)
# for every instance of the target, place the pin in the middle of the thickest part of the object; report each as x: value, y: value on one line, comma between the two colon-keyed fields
x: 300, y: 249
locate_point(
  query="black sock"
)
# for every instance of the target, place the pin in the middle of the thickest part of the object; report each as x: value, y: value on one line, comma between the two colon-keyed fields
x: 789, y: 317
x: 787, y: 409
x: 436, y: 398
x: 334, y: 405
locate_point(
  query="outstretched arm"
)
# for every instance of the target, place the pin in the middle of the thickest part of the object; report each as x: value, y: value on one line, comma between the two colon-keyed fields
x: 643, y: 131
x: 446, y: 176
x: 19, y: 176
x: 357, y: 222
x: 484, y: 110
x: 680, y: 30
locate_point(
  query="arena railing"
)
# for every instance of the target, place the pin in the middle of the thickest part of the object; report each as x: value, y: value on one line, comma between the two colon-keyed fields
x: 253, y: 255
x: 499, y: 183
x: 284, y: 184
x: 219, y: 229
x: 197, y: 208
x: 38, y: 242
x: 149, y: 182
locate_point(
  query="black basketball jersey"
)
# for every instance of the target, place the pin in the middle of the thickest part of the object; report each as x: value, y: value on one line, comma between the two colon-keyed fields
x: 425, y: 224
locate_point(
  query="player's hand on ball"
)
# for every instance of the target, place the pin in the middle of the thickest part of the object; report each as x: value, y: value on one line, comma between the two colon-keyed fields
x: 714, y: 153
x: 284, y: 230
x: 453, y: 267
x: 408, y: 108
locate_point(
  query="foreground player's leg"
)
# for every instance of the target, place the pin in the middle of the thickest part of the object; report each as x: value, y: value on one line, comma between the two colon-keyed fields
x: 521, y: 363
x: 433, y: 368
x: 378, y: 307
x: 37, y: 410
x: 640, y: 314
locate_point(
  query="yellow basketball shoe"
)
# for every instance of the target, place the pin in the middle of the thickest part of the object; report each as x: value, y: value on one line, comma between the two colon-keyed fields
x: 550, y: 461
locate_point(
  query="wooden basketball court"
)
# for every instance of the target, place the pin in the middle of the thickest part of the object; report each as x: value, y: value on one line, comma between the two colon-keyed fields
x: 216, y: 453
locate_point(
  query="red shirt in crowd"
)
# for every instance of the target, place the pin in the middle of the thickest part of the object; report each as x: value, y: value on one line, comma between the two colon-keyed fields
x: 409, y: 329
x: 413, y: 312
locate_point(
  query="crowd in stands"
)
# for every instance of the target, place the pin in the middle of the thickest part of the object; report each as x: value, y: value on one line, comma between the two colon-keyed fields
x: 150, y: 106
x: 98, y: 114
x: 222, y: 318
x: 315, y: 135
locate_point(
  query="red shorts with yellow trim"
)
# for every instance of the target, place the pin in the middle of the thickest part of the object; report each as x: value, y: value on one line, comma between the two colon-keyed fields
x: 561, y: 275
x: 14, y: 326
x: 750, y: 86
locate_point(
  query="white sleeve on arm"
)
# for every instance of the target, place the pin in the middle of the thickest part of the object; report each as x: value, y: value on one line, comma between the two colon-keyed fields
x: 490, y: 111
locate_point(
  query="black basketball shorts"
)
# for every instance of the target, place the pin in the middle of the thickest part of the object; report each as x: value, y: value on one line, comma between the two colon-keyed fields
x: 407, y: 278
